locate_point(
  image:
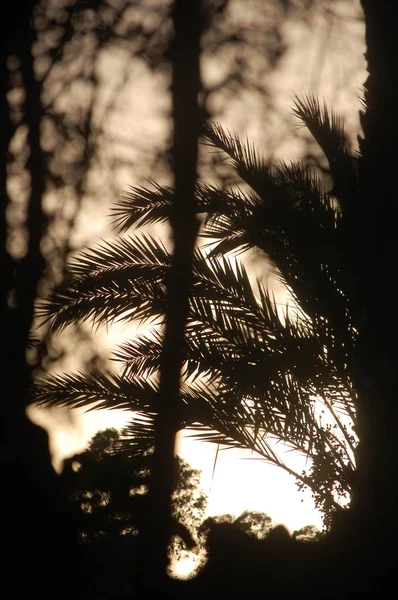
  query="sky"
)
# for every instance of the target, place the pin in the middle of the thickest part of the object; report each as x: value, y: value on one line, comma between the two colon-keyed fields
x: 326, y: 58
x: 236, y: 482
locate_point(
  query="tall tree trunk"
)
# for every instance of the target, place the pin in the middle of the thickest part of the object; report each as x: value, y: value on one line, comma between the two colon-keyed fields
x: 33, y: 520
x: 185, y: 54
x: 374, y: 499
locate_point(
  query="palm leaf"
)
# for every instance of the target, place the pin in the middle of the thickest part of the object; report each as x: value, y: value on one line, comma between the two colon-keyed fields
x: 142, y: 206
x: 246, y: 160
x: 327, y: 127
x: 137, y: 438
x: 140, y: 357
x: 121, y: 281
x: 94, y: 391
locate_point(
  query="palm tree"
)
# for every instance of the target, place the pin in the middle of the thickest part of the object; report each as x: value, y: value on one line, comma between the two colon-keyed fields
x: 255, y: 373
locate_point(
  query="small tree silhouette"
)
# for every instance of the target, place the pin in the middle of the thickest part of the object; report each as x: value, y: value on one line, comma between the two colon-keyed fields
x: 107, y: 493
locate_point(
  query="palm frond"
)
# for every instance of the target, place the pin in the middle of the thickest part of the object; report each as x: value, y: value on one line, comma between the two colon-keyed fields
x: 121, y: 252
x: 246, y: 160
x: 113, y: 301
x: 121, y: 281
x: 327, y: 127
x: 141, y: 357
x: 218, y: 202
x: 142, y: 206
x: 137, y: 438
x: 305, y: 198
x: 94, y: 391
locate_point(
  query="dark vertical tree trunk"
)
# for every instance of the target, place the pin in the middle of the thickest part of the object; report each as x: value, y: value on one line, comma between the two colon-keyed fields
x: 185, y: 54
x: 374, y: 499
x: 33, y: 531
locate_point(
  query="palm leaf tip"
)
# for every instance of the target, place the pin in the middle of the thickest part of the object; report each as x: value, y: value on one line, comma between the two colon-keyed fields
x: 326, y: 126
x: 142, y: 206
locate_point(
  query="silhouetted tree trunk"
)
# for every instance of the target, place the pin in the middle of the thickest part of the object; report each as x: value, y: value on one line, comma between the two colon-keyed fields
x: 34, y: 535
x: 185, y: 52
x: 372, y: 525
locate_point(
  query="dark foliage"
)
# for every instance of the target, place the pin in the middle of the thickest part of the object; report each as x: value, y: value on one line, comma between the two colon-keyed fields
x: 107, y: 495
